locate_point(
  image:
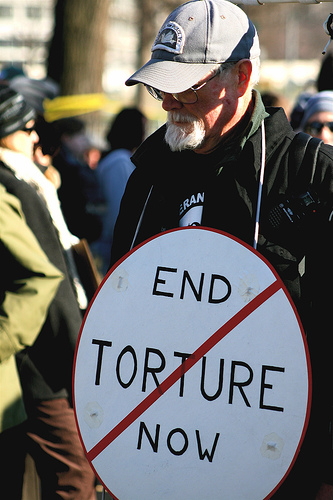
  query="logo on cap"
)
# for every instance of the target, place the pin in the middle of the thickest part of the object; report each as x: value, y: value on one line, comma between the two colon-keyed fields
x: 171, y: 38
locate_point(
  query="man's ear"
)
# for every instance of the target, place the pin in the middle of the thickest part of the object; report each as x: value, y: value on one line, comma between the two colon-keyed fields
x: 244, y: 72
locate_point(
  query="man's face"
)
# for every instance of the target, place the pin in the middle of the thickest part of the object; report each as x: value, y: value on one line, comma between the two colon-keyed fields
x: 201, y: 125
x: 320, y: 125
x: 22, y: 141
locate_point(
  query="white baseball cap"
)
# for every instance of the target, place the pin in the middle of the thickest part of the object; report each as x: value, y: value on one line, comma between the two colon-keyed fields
x: 193, y: 39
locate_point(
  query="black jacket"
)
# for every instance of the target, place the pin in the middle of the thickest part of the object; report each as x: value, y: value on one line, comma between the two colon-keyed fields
x: 46, y: 368
x: 151, y: 205
x: 230, y: 194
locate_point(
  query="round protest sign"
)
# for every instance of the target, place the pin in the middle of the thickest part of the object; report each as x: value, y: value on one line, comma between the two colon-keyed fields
x: 191, y: 376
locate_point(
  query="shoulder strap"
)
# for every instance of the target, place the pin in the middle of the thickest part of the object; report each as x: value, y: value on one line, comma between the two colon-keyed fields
x: 303, y: 156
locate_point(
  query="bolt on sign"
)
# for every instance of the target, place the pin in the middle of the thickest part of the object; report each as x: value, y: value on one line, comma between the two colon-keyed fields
x: 191, y: 376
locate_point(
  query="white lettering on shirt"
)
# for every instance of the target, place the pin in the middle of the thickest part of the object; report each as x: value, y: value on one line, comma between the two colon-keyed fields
x: 190, y: 211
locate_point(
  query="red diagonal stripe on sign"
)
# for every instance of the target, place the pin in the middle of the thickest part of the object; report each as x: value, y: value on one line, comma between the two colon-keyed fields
x: 183, y: 368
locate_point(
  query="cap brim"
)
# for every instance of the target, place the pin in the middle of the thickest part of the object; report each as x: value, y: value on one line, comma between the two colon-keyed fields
x: 170, y: 76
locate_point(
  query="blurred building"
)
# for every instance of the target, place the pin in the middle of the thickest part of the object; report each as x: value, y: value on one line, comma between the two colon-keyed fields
x: 291, y: 35
x: 122, y: 43
x: 292, y: 39
x: 25, y: 28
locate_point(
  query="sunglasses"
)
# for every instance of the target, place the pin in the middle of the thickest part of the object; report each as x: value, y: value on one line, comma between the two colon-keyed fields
x: 314, y: 128
x: 28, y: 130
x: 189, y: 96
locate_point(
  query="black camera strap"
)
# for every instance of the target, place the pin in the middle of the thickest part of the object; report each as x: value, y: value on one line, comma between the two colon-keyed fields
x: 303, y: 154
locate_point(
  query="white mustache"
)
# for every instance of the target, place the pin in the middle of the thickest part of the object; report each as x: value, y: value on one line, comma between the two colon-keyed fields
x: 177, y: 117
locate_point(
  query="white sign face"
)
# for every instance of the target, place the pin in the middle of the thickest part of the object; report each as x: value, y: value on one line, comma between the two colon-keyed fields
x: 192, y: 374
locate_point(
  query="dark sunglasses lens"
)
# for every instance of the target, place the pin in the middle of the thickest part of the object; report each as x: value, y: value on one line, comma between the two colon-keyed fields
x: 317, y: 127
x: 28, y: 130
x: 157, y: 94
x: 314, y: 128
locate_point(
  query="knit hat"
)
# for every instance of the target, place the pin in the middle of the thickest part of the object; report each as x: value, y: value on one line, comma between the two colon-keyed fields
x: 15, y: 113
x: 193, y: 39
x: 323, y: 101
x: 35, y: 91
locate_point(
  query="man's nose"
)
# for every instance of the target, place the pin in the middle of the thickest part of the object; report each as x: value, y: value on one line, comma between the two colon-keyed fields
x: 169, y: 103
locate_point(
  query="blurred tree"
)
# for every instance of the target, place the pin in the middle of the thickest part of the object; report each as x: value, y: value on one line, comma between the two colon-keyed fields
x: 77, y: 49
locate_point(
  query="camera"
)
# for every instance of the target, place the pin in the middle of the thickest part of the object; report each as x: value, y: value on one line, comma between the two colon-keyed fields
x: 293, y: 211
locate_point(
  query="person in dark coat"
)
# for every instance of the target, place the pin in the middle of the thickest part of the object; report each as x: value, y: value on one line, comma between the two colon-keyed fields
x: 50, y: 435
x: 219, y: 150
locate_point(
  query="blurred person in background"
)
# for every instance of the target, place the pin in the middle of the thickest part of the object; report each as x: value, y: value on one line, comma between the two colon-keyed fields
x: 297, y: 110
x: 45, y: 368
x: 18, y: 153
x: 126, y: 133
x: 67, y: 156
x: 317, y: 118
x: 276, y: 100
x: 325, y: 76
x: 83, y: 203
x: 79, y: 193
x: 28, y: 285
x: 35, y: 92
x: 323, y: 82
x: 45, y: 150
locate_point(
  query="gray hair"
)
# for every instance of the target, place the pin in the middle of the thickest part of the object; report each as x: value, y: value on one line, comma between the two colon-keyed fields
x: 226, y: 66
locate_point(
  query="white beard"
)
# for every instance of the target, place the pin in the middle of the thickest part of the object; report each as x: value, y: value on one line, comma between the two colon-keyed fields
x: 189, y: 136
